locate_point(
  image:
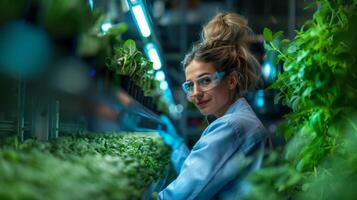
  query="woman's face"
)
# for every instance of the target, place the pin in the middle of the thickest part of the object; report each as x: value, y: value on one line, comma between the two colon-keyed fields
x: 217, y: 99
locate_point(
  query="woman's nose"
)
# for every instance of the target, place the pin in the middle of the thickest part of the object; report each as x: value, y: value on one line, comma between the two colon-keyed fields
x: 195, y: 94
x: 197, y: 91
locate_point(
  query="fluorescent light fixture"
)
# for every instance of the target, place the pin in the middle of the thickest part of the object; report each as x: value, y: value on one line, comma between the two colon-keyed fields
x: 153, y: 56
x: 160, y: 75
x: 141, y: 20
x: 134, y: 2
x: 106, y: 26
x: 164, y: 85
x: 124, y: 6
x: 91, y: 4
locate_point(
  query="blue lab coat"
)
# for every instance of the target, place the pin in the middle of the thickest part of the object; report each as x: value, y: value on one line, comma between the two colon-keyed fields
x: 216, y: 168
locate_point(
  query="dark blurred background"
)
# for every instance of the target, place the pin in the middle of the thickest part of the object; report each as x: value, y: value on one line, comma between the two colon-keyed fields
x: 42, y: 50
x: 178, y: 24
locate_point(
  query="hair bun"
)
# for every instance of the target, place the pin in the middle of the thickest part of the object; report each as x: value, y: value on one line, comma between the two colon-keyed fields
x: 227, y: 28
x: 225, y: 46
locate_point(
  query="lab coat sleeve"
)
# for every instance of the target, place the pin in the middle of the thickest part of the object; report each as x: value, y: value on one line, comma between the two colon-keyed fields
x: 214, y: 148
x: 178, y: 157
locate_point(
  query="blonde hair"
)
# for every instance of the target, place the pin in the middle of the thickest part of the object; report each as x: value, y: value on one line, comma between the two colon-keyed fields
x: 225, y: 45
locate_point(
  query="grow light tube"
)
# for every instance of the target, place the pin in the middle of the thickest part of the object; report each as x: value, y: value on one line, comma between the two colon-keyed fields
x: 160, y: 75
x: 164, y: 85
x: 141, y: 20
x: 91, y: 4
x: 153, y: 55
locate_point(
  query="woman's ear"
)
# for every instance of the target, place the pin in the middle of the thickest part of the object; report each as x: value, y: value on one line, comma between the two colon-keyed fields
x: 232, y: 80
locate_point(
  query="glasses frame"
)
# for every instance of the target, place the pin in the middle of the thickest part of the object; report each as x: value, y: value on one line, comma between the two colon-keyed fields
x: 217, y: 77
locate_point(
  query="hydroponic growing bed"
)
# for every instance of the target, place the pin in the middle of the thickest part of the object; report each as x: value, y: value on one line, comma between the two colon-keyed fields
x: 82, y: 166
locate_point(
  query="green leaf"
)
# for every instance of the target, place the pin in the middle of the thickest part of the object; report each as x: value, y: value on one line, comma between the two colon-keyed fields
x: 307, y: 92
x: 267, y: 47
x: 277, y: 35
x: 292, y: 49
x: 285, y: 41
x: 122, y: 27
x: 268, y: 35
x: 130, y: 44
x: 302, y: 54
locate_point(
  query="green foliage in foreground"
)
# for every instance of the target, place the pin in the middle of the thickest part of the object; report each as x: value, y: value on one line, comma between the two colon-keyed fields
x: 82, y: 166
x: 318, y: 81
x: 318, y: 84
x: 334, y: 178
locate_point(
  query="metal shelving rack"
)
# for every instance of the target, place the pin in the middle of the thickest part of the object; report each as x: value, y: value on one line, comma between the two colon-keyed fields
x: 43, y: 120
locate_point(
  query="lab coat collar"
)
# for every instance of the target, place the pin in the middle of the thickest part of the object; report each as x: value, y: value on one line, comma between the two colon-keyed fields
x: 237, y: 105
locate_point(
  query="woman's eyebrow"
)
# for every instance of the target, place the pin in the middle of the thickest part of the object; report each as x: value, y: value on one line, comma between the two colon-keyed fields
x: 204, y: 74
x: 199, y: 76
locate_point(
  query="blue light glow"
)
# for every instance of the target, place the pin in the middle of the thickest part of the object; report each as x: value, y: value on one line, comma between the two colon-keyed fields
x: 106, y: 26
x: 153, y: 55
x: 269, y: 70
x: 141, y: 20
x: 164, y: 85
x: 91, y: 4
x: 266, y: 70
x: 160, y: 75
x: 25, y: 49
x: 259, y: 98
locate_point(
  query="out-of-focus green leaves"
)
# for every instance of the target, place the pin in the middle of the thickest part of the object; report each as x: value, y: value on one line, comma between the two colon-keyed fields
x: 12, y: 10
x: 118, y: 29
x: 277, y: 35
x: 268, y: 35
x: 318, y: 83
x: 313, y: 83
x: 66, y: 18
x: 275, y: 180
x: 82, y: 166
x: 336, y: 178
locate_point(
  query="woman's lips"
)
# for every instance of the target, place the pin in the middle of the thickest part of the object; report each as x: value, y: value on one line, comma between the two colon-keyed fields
x: 202, y: 104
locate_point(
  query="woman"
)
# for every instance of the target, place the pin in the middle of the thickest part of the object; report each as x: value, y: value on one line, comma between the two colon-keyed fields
x: 218, y: 72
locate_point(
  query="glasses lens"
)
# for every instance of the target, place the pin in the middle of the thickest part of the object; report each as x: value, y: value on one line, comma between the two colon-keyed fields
x: 204, y: 83
x: 187, y: 86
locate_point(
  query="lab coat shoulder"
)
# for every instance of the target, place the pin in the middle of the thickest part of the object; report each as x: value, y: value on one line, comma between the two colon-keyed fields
x: 205, y: 170
x: 221, y: 129
x: 216, y: 145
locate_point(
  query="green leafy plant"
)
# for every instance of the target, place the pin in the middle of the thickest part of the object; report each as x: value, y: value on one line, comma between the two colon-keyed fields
x: 317, y: 80
x: 318, y: 85
x: 82, y: 166
x: 129, y: 61
x: 336, y: 177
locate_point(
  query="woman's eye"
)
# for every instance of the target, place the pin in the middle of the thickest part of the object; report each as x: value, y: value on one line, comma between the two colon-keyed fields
x: 190, y: 86
x: 205, y: 81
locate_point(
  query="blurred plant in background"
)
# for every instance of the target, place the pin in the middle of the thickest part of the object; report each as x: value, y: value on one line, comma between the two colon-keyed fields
x: 318, y: 84
x: 128, y: 61
x: 57, y: 31
x: 9, y: 10
x: 65, y: 18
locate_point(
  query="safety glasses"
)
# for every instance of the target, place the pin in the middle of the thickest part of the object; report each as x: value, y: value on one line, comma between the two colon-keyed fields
x: 203, y: 83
